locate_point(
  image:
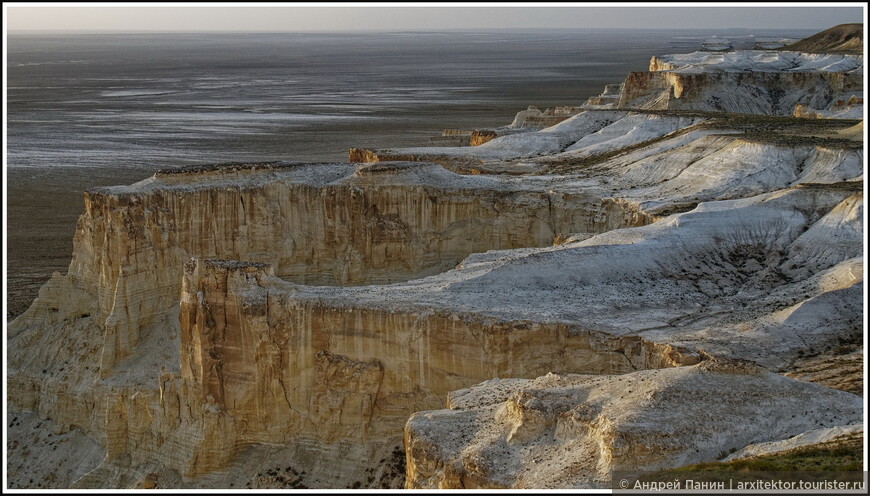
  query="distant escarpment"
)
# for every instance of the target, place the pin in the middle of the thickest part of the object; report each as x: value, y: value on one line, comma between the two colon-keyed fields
x: 844, y: 38
x: 749, y: 82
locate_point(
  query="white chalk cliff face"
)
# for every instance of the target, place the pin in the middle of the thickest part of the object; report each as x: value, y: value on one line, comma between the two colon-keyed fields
x: 244, y: 325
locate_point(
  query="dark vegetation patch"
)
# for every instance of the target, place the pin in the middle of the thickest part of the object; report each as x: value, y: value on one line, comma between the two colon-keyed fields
x: 229, y: 167
x: 853, y: 186
x: 844, y: 454
x: 388, y: 474
x: 795, y: 140
x: 278, y: 478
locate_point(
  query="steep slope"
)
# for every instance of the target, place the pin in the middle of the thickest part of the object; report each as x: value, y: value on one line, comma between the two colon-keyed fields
x: 248, y: 358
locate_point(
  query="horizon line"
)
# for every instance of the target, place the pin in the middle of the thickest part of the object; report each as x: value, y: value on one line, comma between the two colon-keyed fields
x: 395, y: 30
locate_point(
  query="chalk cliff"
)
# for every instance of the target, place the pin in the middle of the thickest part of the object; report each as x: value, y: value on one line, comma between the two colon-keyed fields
x: 327, y: 224
x: 749, y: 82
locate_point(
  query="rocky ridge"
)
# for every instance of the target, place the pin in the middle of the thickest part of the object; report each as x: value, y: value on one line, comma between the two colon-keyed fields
x: 844, y: 38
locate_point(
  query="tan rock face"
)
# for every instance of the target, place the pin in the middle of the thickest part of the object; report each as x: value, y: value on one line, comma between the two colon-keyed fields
x: 130, y: 247
x: 261, y: 364
x: 281, y: 364
x: 106, y: 349
x: 239, y: 358
x: 179, y: 363
x: 479, y: 137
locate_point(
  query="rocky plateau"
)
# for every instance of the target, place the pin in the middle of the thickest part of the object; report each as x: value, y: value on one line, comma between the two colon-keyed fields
x: 679, y: 257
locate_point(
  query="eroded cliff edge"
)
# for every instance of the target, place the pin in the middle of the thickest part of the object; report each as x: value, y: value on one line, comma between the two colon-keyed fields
x: 241, y: 325
x: 109, y: 330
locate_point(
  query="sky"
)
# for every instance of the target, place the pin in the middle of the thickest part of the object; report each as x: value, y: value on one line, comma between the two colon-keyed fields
x: 292, y: 17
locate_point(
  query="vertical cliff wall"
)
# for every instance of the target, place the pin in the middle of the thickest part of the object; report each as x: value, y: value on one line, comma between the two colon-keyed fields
x: 276, y: 363
x: 99, y: 349
x: 773, y: 93
x: 360, y: 228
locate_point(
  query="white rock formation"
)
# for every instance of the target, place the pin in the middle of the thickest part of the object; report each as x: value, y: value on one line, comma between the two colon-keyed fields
x: 744, y: 81
x: 256, y: 359
x: 573, y: 431
x: 757, y: 61
x: 849, y: 106
x: 633, y: 129
x: 732, y: 276
x: 546, y: 141
x: 808, y: 438
x: 617, y: 138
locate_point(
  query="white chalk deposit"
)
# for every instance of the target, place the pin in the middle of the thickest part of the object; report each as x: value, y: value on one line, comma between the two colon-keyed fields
x: 573, y: 431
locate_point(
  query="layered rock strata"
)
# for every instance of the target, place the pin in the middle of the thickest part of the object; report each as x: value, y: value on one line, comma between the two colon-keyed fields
x: 749, y: 82
x: 281, y: 362
x: 265, y: 361
x: 326, y: 224
x: 617, y: 138
x: 748, y: 278
x: 808, y: 438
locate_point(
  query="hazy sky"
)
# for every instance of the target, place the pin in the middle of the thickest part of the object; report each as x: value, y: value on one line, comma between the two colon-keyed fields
x: 317, y: 17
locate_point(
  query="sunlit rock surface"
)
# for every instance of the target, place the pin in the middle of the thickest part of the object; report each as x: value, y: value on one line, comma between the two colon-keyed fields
x: 573, y: 431
x: 808, y: 438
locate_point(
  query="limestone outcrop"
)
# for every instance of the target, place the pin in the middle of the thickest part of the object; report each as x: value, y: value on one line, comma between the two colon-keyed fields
x: 809, y: 438
x: 248, y: 358
x: 574, y: 431
x: 608, y: 98
x: 533, y: 117
x: 703, y: 279
x: 773, y: 93
x: 326, y: 224
x: 263, y: 360
x: 592, y: 139
x: 284, y: 361
x: 846, y: 107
